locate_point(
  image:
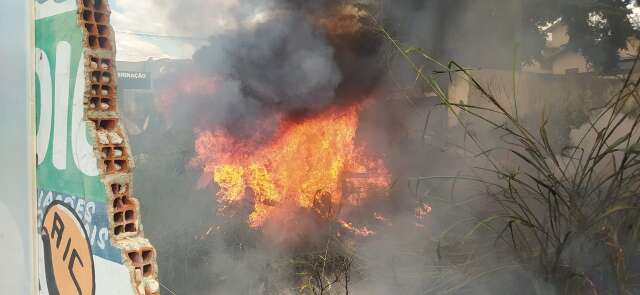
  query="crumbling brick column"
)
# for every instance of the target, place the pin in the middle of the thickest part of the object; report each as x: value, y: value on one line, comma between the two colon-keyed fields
x: 114, y: 156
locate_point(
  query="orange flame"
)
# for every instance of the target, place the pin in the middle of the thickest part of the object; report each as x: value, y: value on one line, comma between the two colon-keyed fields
x: 313, y: 164
x: 358, y: 231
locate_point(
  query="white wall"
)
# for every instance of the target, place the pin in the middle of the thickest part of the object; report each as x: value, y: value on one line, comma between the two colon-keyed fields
x: 16, y: 149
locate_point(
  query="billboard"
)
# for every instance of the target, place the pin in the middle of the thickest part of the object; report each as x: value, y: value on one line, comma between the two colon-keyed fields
x: 91, y: 241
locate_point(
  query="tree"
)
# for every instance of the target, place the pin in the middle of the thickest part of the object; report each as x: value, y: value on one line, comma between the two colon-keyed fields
x: 484, y: 33
x: 598, y: 29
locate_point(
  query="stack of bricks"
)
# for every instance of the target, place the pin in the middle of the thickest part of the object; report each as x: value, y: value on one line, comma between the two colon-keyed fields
x: 111, y: 146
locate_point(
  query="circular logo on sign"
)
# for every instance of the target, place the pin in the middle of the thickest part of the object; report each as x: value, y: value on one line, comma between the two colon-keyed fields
x: 67, y: 252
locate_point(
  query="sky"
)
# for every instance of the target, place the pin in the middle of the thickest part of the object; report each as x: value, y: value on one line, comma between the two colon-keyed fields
x: 143, y: 31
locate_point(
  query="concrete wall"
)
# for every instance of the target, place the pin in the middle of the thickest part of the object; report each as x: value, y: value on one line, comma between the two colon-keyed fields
x: 569, y: 61
x: 534, y: 92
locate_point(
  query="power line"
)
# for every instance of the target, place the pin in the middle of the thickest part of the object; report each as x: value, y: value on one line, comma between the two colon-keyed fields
x: 165, y: 287
x: 161, y: 36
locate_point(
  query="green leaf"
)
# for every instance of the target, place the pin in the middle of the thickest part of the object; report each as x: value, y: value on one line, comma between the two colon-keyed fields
x: 411, y: 50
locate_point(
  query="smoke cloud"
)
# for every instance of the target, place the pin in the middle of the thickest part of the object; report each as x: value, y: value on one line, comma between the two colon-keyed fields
x: 284, y: 63
x: 275, y: 56
x: 298, y: 58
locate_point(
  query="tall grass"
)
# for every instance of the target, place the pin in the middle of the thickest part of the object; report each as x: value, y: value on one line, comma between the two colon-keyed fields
x: 569, y: 215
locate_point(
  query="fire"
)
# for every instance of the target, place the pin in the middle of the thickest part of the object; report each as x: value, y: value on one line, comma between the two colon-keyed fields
x: 358, y: 231
x: 314, y: 164
x: 231, y: 181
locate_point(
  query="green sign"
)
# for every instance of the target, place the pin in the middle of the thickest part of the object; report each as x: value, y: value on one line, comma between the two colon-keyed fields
x: 76, y: 255
x: 65, y: 156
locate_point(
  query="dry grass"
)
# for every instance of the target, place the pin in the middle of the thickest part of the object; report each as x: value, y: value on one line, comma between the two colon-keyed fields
x: 570, y: 215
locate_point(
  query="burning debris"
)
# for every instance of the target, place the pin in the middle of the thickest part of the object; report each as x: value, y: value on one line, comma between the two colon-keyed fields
x: 358, y: 231
x: 276, y: 104
x: 306, y: 164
